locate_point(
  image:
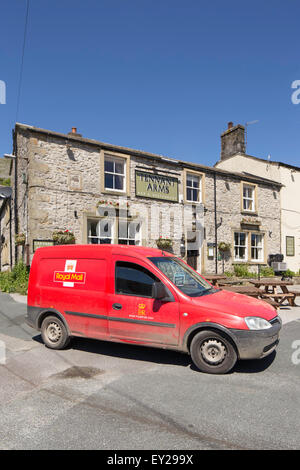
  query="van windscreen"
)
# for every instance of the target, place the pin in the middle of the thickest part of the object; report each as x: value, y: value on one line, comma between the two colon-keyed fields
x: 184, y: 278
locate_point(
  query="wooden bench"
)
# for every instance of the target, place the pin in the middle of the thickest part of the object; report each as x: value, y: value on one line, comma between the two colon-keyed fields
x: 295, y: 292
x: 271, y: 302
x: 281, y: 297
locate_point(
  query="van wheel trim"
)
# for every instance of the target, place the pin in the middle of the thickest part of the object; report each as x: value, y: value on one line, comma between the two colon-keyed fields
x: 53, y: 332
x: 213, y: 351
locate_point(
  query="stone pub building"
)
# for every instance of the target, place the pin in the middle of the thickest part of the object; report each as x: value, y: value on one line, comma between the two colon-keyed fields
x: 105, y: 193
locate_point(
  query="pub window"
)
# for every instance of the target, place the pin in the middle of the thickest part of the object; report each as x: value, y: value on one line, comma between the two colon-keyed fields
x: 132, y: 279
x: 129, y: 232
x: 100, y: 231
x: 257, y: 247
x: 193, y: 187
x: 290, y: 246
x: 114, y: 173
x: 240, y: 246
x: 249, y: 198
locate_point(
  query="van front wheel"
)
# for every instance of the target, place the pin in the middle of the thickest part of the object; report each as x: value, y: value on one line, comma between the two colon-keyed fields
x: 54, y: 333
x: 213, y: 353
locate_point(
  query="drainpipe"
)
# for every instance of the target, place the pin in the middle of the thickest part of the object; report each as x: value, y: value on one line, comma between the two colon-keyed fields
x: 216, y: 227
x: 15, y: 150
x: 10, y: 235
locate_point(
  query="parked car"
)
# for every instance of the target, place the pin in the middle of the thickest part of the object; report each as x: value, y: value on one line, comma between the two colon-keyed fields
x: 146, y: 297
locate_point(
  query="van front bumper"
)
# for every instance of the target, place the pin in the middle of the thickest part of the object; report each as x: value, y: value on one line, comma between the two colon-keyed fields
x: 256, y: 344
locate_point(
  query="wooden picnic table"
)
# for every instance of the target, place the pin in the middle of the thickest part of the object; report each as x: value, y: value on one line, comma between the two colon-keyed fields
x: 214, y: 278
x: 270, y: 289
x: 252, y: 291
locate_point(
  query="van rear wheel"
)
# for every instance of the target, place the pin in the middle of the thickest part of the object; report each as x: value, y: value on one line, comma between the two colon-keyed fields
x: 212, y: 352
x: 54, y: 333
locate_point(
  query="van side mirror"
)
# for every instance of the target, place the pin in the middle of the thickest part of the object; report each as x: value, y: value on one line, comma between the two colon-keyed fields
x: 160, y: 292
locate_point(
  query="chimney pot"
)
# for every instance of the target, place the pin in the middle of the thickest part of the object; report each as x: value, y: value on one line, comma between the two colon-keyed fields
x: 230, y: 125
x: 74, y: 132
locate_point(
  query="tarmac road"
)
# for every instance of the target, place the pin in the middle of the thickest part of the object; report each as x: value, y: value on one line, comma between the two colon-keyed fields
x: 101, y: 395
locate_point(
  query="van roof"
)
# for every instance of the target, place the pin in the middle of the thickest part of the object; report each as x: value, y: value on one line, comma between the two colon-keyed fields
x: 105, y: 249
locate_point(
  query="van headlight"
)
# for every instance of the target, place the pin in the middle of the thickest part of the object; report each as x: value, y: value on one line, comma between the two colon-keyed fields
x: 257, y: 323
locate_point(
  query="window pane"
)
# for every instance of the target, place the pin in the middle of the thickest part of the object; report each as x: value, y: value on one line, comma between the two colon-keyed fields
x: 109, y: 166
x: 93, y: 241
x: 109, y: 181
x: 133, y: 280
x: 118, y: 182
x: 105, y: 228
x: 119, y: 167
x: 194, y: 195
x: 123, y: 229
x: 196, y: 182
x: 92, y: 231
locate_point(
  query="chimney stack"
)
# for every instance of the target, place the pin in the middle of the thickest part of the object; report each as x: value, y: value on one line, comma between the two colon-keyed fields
x: 233, y: 141
x: 74, y: 132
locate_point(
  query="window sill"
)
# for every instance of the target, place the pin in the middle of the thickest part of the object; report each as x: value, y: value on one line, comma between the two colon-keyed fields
x: 251, y: 263
x: 115, y: 192
x: 254, y: 213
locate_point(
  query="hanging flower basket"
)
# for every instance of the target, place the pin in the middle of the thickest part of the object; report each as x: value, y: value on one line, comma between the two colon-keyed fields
x: 224, y: 246
x: 63, y: 237
x: 164, y: 243
x: 20, y: 239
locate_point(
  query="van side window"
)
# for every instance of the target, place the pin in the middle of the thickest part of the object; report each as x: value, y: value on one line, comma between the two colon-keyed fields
x: 132, y: 279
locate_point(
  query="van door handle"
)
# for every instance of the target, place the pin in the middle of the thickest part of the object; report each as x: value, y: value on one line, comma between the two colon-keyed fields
x: 117, y: 306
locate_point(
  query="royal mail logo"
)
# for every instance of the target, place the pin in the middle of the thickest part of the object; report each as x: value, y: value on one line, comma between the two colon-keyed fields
x: 62, y: 276
x: 69, y: 276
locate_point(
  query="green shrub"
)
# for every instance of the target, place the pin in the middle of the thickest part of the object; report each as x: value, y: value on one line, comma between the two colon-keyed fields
x: 267, y: 271
x: 228, y: 273
x: 289, y: 273
x: 241, y: 270
x: 5, y: 181
x: 15, y: 280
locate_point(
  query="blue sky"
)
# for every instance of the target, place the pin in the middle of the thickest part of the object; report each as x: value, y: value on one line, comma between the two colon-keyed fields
x: 162, y: 76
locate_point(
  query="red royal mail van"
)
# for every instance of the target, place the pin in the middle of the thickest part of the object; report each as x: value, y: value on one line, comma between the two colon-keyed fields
x: 148, y: 297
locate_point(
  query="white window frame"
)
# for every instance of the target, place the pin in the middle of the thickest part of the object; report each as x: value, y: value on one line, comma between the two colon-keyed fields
x: 98, y: 235
x: 192, y: 188
x: 257, y: 247
x: 241, y: 246
x: 115, y: 159
x: 247, y: 199
x: 137, y: 238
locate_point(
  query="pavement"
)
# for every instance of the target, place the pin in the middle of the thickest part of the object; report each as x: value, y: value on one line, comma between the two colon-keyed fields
x: 102, y: 395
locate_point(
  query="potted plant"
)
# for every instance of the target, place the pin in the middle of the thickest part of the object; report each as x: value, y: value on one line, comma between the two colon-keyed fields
x: 20, y: 239
x: 164, y: 243
x: 65, y: 237
x: 223, y: 247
